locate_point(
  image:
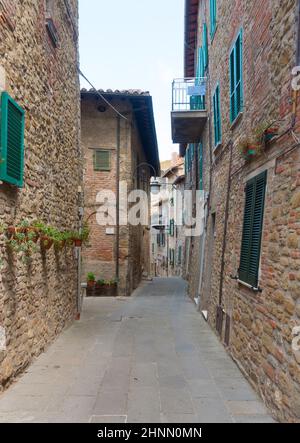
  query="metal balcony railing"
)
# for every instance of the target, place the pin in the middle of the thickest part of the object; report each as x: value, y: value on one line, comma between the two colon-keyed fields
x: 188, y: 94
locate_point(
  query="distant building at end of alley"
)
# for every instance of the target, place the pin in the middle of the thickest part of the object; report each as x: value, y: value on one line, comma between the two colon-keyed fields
x: 118, y: 150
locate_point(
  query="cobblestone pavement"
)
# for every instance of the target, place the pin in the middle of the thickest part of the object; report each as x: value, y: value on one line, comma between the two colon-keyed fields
x: 145, y: 359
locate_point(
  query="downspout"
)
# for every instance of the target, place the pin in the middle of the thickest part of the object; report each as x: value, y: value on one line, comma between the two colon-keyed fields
x: 117, y: 252
x: 225, y: 226
x: 79, y: 256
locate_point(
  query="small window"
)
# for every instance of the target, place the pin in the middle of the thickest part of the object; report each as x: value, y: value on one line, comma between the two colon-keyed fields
x: 172, y: 228
x: 102, y: 160
x: 217, y: 116
x: 236, y: 78
x: 252, y: 229
x: 50, y: 26
x: 12, y: 123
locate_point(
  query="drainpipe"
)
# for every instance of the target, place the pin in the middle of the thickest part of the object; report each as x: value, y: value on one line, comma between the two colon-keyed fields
x: 225, y: 225
x: 79, y: 285
x: 117, y: 252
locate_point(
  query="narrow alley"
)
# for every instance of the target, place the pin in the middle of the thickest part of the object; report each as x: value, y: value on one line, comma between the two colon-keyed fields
x: 150, y: 358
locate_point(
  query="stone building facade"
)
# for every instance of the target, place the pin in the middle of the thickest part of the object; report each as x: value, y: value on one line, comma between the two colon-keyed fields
x: 166, y: 235
x: 118, y: 150
x: 250, y: 291
x: 38, y: 71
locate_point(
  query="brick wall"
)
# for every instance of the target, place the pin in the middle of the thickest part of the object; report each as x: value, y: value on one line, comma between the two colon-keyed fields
x: 99, y: 131
x: 38, y: 299
x: 261, y: 323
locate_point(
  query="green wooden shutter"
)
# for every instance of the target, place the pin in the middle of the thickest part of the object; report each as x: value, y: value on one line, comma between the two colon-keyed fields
x: 102, y: 160
x: 205, y: 46
x: 198, y: 102
x: 236, y: 78
x: 172, y: 227
x: 213, y: 17
x: 252, y: 229
x: 11, y: 141
x: 217, y: 116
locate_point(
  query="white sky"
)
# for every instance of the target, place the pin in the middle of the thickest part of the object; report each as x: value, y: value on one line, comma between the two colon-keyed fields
x: 135, y: 44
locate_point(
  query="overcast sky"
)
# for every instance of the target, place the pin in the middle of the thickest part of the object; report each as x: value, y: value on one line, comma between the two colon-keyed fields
x: 135, y: 44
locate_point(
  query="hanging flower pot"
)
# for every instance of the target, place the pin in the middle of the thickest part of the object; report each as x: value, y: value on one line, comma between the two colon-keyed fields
x: 33, y: 234
x: 46, y: 243
x: 271, y: 133
x: 11, y: 230
x: 77, y: 242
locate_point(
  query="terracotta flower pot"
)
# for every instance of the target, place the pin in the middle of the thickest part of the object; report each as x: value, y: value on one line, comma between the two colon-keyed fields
x: 11, y: 230
x: 46, y: 243
x: 91, y: 283
x: 77, y: 243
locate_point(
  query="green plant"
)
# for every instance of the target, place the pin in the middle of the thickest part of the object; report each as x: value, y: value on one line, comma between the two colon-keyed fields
x: 111, y: 282
x: 91, y: 277
x: 22, y: 243
x: 85, y: 232
x: 100, y: 282
x: 3, y: 228
x: 249, y: 147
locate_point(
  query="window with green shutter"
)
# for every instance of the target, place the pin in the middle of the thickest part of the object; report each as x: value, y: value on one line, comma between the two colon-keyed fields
x: 12, y: 124
x: 213, y: 18
x: 102, y: 160
x: 172, y: 228
x: 236, y: 78
x: 217, y: 116
x: 179, y: 254
x: 197, y: 102
x: 205, y: 46
x: 252, y: 229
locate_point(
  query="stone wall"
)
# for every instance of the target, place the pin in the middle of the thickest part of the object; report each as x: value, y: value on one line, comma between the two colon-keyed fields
x: 262, y: 324
x: 38, y: 298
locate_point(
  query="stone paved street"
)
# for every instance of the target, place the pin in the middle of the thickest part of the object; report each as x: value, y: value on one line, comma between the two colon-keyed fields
x: 149, y: 358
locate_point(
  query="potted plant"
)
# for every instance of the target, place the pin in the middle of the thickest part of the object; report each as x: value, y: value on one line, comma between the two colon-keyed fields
x: 3, y: 228
x: 99, y: 287
x: 23, y: 226
x: 271, y: 132
x: 249, y: 148
x: 46, y: 242
x: 266, y: 131
x: 91, y: 280
x: 20, y: 242
x: 81, y: 237
x: 11, y: 230
x: 110, y: 288
x: 59, y: 240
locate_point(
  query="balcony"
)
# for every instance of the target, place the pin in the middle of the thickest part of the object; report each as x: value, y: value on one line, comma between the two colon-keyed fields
x: 189, y: 113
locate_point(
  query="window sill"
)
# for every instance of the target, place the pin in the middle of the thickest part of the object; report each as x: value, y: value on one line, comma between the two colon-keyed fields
x: 52, y: 31
x: 247, y: 285
x: 236, y: 120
